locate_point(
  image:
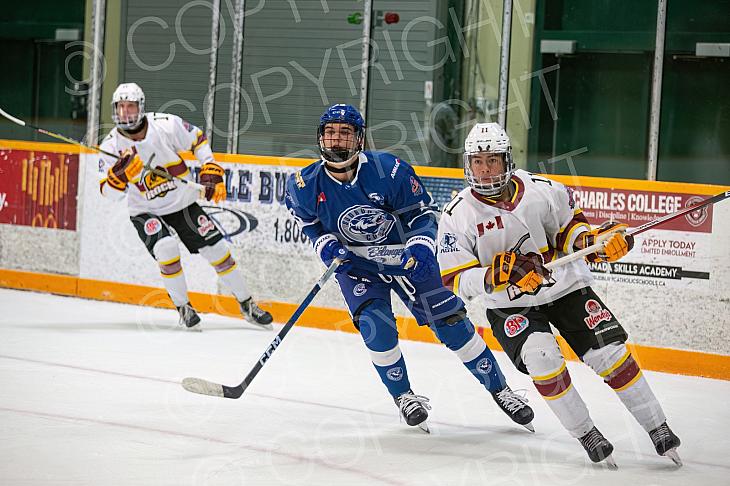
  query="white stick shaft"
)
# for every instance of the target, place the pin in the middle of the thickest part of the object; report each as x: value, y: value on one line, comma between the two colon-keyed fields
x: 12, y: 118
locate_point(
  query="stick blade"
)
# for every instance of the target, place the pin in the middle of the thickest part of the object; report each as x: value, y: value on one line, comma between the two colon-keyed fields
x: 203, y: 387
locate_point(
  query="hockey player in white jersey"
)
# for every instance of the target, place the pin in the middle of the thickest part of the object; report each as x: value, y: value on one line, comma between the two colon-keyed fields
x: 494, y: 238
x: 158, y: 204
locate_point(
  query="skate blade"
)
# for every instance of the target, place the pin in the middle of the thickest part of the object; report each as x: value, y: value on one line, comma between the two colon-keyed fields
x: 267, y: 327
x: 424, y: 427
x: 674, y: 456
x: 195, y: 328
x: 610, y: 463
x: 529, y: 427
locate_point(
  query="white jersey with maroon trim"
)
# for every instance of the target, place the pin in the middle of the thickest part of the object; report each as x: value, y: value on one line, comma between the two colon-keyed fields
x: 167, y: 136
x: 541, y: 217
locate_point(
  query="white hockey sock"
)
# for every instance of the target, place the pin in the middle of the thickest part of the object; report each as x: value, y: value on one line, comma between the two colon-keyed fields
x: 620, y: 371
x: 546, y: 365
x: 227, y: 269
x: 167, y: 254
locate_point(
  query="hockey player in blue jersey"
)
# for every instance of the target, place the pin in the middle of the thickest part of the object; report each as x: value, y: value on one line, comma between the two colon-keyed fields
x: 374, y: 206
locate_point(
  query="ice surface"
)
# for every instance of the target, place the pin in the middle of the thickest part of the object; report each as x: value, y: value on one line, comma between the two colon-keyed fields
x: 90, y: 395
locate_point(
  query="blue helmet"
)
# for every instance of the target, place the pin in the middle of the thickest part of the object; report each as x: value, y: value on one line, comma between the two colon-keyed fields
x: 341, y: 113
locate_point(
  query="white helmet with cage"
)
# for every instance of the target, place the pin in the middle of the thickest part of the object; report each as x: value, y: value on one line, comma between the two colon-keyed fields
x: 489, y: 138
x: 128, y: 92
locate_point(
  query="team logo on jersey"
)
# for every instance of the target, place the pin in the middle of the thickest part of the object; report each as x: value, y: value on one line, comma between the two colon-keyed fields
x: 484, y: 366
x: 416, y: 188
x: 515, y: 324
x: 697, y: 217
x: 359, y: 290
x: 152, y: 226
x: 596, y: 314
x: 395, y: 374
x: 376, y: 198
x: 154, y: 185
x: 365, y: 224
x: 205, y: 225
x: 448, y: 243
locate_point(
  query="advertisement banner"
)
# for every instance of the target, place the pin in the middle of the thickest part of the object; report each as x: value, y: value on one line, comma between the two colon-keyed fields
x: 38, y: 188
x: 254, y: 216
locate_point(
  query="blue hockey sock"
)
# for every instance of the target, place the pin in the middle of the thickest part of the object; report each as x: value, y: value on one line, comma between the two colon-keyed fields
x: 486, y: 369
x: 395, y: 377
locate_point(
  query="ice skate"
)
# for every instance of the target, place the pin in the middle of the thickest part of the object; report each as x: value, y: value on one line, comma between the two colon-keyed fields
x: 189, y: 319
x: 515, y: 406
x: 255, y: 314
x: 598, y: 448
x: 414, y: 409
x: 666, y: 443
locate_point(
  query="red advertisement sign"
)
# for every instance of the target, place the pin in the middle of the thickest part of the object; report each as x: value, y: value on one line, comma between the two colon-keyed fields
x: 635, y: 208
x: 38, y: 188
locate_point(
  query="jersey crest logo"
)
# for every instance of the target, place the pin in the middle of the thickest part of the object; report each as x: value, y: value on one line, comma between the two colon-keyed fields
x: 365, y: 224
x: 596, y: 314
x: 376, y: 198
x: 154, y: 186
x: 416, y: 188
x: 515, y: 324
x: 448, y: 243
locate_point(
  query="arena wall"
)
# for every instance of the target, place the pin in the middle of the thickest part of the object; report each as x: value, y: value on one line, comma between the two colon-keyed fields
x: 672, y: 292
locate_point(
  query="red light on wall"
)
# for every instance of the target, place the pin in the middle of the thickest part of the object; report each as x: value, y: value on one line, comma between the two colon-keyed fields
x: 391, y: 18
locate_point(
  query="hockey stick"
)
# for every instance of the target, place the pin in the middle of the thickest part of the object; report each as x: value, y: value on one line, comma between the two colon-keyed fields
x: 205, y: 387
x: 54, y: 135
x: 638, y: 230
x: 161, y: 173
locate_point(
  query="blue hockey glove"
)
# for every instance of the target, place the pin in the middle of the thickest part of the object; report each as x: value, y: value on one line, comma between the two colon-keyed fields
x: 419, y: 257
x: 328, y: 248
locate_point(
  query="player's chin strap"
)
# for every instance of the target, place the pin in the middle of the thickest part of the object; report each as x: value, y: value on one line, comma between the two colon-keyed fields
x: 341, y: 170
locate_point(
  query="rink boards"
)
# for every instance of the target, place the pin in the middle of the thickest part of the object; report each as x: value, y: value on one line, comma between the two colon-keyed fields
x: 672, y: 292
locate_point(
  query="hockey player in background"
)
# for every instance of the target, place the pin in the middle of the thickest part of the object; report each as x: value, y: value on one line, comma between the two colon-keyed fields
x: 494, y: 238
x: 157, y: 204
x: 373, y: 205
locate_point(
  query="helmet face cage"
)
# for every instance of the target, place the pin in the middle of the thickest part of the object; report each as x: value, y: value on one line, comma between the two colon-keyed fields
x: 492, y: 185
x: 128, y: 92
x: 341, y: 114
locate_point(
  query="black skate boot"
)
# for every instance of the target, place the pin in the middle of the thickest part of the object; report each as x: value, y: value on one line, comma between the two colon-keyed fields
x: 515, y: 406
x: 414, y: 409
x: 255, y: 314
x: 666, y: 443
x: 189, y: 319
x: 598, y: 448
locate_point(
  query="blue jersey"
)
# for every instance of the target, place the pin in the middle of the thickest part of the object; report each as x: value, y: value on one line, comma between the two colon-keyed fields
x: 373, y: 215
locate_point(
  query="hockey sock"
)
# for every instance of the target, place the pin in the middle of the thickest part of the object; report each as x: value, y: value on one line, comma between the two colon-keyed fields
x: 391, y: 367
x: 167, y: 254
x: 621, y: 372
x: 227, y: 269
x: 546, y: 365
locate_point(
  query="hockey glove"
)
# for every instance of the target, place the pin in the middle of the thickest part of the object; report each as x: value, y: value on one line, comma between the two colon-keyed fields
x: 419, y: 257
x: 126, y: 169
x: 617, y: 245
x: 328, y: 247
x: 211, y: 176
x: 527, y: 271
